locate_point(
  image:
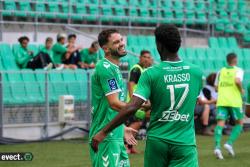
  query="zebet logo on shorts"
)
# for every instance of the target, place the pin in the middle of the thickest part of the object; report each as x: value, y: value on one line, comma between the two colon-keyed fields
x: 169, y: 116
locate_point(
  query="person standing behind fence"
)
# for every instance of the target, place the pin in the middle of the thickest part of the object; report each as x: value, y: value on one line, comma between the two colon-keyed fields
x: 89, y: 55
x: 229, y: 102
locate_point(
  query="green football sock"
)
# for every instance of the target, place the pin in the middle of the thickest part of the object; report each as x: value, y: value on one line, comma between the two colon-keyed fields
x: 217, y: 135
x: 234, y: 134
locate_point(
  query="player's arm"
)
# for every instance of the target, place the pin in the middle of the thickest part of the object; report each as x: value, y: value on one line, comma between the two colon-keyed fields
x: 247, y: 110
x: 115, y: 103
x: 238, y: 80
x: 133, y: 79
x: 128, y: 110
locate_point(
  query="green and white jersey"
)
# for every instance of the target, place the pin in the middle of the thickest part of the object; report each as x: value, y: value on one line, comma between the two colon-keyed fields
x: 106, y: 80
x: 172, y: 88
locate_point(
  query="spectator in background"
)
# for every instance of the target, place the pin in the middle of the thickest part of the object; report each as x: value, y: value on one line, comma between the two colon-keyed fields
x: 206, y: 104
x: 89, y: 56
x: 48, y: 48
x: 59, y: 50
x: 136, y: 121
x: 73, y: 60
x: 25, y: 58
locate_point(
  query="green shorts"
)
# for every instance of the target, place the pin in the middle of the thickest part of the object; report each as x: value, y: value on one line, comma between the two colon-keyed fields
x: 159, y: 153
x: 110, y: 154
x: 224, y: 112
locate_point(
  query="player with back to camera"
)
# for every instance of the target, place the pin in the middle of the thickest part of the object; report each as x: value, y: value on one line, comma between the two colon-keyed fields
x: 172, y: 88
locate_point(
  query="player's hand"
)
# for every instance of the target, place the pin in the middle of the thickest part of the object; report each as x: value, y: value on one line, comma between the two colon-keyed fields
x: 130, y: 136
x: 98, y: 138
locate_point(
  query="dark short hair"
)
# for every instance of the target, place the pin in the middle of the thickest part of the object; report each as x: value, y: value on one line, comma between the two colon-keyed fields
x: 71, y: 36
x: 103, y: 37
x: 48, y: 39
x: 230, y: 57
x: 144, y: 52
x: 211, y: 79
x: 169, y: 36
x: 94, y: 44
x: 22, y: 38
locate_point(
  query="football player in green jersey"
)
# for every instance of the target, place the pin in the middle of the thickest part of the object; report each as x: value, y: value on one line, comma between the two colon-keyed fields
x: 107, y: 96
x: 172, y: 88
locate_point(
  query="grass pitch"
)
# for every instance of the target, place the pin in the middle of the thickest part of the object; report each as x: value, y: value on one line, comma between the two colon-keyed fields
x: 74, y: 153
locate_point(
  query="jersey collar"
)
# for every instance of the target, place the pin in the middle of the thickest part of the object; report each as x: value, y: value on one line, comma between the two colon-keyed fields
x: 111, y: 62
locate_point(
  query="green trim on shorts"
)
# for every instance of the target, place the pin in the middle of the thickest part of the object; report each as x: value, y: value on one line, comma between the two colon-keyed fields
x: 223, y: 113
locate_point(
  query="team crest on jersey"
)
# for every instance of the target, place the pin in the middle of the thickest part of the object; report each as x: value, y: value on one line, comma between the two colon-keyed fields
x: 106, y: 65
x: 112, y: 84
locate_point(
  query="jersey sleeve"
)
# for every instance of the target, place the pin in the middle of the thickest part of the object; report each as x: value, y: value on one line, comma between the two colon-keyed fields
x: 143, y: 87
x: 248, y: 94
x: 135, y: 75
x: 216, y: 82
x: 108, y: 82
x: 240, y: 74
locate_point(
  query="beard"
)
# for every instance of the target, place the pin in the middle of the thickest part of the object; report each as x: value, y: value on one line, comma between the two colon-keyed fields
x: 117, y: 53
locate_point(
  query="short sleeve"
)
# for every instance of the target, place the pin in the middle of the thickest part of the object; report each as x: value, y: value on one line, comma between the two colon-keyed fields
x: 240, y: 74
x: 135, y: 74
x: 143, y: 89
x: 108, y: 82
x: 248, y: 94
x: 216, y: 82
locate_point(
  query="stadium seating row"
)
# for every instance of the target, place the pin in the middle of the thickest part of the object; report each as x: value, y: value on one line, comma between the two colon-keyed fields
x: 229, y: 16
x: 26, y: 86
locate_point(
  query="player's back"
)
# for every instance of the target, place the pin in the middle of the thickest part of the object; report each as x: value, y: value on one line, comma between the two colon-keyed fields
x: 174, y: 88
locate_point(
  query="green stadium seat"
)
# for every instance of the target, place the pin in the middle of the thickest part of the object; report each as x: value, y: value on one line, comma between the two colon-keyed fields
x: 179, y: 17
x: 53, y: 10
x: 144, y: 16
x: 79, y: 89
x: 166, y: 4
x: 177, y: 5
x: 200, y: 5
x: 133, y: 14
x: 40, y: 9
x: 107, y: 13
x: 120, y: 15
x: 190, y: 16
x: 93, y: 13
x: 246, y: 54
x: 167, y: 16
x: 189, y: 5
x: 33, y: 92
x: 135, y: 3
x: 28, y: 75
x: 19, y: 93
x: 242, y: 7
x: 201, y: 18
x: 7, y: 58
x: 24, y: 9
x: 232, y: 43
x: 213, y: 42
x: 66, y: 10
x: 231, y: 6
x: 132, y: 40
x: 80, y: 12
x: 7, y: 95
x: 200, y: 53
x: 122, y: 2
x: 222, y: 42
x: 9, y: 8
x: 247, y: 37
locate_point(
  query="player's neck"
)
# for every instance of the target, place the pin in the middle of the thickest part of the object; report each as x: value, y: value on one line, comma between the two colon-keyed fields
x: 112, y: 59
x: 171, y: 57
